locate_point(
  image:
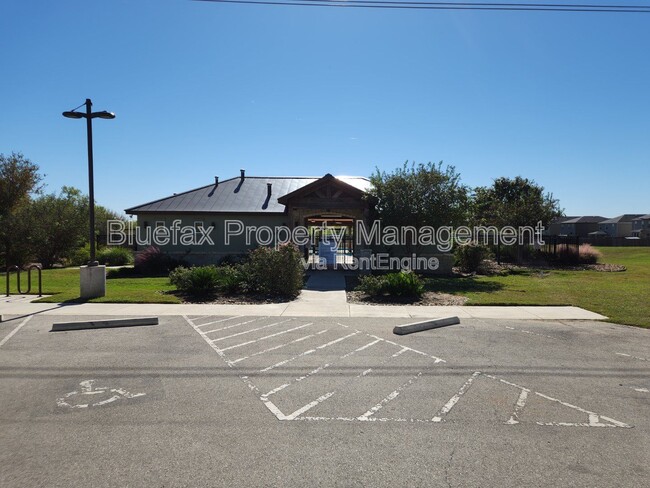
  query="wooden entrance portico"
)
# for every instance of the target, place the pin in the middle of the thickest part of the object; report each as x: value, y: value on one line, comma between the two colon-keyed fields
x: 327, y: 202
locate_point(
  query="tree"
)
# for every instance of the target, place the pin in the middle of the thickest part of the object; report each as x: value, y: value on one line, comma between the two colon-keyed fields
x: 58, y: 224
x: 419, y: 195
x: 516, y: 202
x: 19, y: 178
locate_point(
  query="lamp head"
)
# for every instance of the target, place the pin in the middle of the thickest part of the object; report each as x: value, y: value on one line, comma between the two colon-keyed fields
x: 104, y: 115
x: 73, y: 115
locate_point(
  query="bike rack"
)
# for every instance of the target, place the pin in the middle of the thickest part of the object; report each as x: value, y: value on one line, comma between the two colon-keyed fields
x: 29, y: 279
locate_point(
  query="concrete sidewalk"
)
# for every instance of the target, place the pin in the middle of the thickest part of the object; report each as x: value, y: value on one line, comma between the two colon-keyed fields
x: 311, y: 303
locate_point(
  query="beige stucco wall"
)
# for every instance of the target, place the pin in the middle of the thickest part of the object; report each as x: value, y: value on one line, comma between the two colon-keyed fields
x: 208, y: 253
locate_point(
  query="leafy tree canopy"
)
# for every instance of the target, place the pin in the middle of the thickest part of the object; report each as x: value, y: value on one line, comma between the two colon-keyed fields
x: 516, y: 202
x: 419, y: 195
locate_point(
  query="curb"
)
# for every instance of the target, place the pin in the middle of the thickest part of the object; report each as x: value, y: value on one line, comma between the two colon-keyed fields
x: 425, y: 325
x: 103, y: 324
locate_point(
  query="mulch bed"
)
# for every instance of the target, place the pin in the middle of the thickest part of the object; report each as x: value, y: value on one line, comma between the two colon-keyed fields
x: 428, y: 298
x: 232, y: 299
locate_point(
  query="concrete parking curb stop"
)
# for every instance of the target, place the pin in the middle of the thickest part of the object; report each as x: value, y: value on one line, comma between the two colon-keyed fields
x: 425, y: 325
x: 101, y: 324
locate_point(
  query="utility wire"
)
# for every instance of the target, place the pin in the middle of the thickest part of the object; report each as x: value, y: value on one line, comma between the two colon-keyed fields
x: 552, y: 7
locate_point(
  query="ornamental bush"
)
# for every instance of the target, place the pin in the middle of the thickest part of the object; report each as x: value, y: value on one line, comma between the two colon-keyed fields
x: 153, y: 262
x: 274, y: 271
x: 469, y: 256
x: 115, y: 256
x: 372, y: 285
x: 402, y: 284
x: 198, y: 281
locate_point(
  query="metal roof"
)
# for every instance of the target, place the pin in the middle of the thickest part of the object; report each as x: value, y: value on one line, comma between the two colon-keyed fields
x: 621, y: 218
x: 587, y: 219
x: 237, y: 195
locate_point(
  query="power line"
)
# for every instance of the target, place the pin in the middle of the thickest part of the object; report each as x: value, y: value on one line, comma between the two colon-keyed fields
x: 549, y: 7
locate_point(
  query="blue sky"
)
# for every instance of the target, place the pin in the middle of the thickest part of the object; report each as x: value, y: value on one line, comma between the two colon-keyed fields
x: 203, y: 89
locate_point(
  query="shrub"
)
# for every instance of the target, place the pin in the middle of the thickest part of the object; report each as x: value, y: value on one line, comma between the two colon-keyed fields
x: 469, y: 256
x: 197, y: 281
x: 231, y: 279
x: 81, y: 256
x: 153, y: 262
x: 115, y: 256
x: 274, y: 271
x: 404, y: 284
x: 180, y: 278
x: 372, y: 285
x: 230, y: 259
x: 588, y: 255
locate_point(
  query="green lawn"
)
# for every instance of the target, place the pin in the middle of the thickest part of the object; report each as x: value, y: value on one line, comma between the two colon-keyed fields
x: 63, y: 285
x: 623, y: 297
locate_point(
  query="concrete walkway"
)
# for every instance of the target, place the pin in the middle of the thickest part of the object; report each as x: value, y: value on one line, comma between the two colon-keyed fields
x: 311, y: 303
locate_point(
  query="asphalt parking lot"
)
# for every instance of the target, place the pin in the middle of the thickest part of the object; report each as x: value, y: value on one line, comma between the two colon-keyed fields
x: 281, y: 401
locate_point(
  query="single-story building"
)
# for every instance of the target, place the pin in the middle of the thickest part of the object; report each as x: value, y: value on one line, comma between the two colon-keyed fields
x: 232, y: 216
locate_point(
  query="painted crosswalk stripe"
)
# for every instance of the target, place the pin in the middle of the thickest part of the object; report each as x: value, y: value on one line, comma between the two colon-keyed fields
x: 250, y: 331
x: 275, y: 348
x: 306, y: 353
x: 317, y: 370
x: 266, y: 337
x: 235, y: 325
x: 218, y: 321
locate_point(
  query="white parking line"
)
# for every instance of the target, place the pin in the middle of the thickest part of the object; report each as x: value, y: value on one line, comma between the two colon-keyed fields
x: 266, y: 337
x: 306, y: 353
x: 529, y: 332
x: 633, y: 357
x: 249, y: 331
x: 234, y: 325
x: 309, y: 406
x: 435, y: 358
x: 274, y: 348
x: 318, y: 370
x: 594, y: 418
x: 389, y: 398
x: 219, y: 321
x: 16, y: 329
x: 453, y: 400
x: 519, y: 406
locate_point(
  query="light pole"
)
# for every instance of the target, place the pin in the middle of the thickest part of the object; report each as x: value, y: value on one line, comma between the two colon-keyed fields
x: 89, y: 116
x: 92, y: 277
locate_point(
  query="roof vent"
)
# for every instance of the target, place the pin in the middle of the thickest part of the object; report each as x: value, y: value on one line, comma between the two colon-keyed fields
x: 216, y: 181
x: 243, y: 173
x: 268, y: 189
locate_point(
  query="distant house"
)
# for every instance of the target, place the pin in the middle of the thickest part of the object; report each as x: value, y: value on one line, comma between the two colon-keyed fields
x: 555, y: 226
x: 641, y: 226
x: 620, y: 226
x: 581, y: 226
